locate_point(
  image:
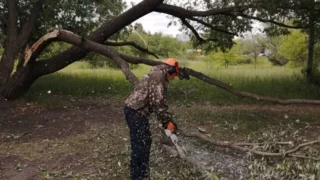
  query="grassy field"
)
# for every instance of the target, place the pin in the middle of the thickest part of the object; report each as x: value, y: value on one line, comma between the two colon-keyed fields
x: 80, y: 80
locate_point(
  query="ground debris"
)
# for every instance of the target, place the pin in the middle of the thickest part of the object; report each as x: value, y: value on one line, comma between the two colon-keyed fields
x: 218, y: 160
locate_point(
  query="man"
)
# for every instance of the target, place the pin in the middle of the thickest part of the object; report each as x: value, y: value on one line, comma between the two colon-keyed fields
x: 149, y: 96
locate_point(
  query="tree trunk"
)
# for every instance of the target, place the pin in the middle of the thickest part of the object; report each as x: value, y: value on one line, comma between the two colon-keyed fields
x: 255, y: 61
x: 7, y: 63
x: 19, y: 83
x: 310, y: 47
x: 9, y: 54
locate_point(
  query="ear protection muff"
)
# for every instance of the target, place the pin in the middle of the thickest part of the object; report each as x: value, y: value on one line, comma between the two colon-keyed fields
x: 173, y: 69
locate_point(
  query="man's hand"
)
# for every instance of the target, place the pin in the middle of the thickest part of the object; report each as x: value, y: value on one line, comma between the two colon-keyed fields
x: 172, y: 127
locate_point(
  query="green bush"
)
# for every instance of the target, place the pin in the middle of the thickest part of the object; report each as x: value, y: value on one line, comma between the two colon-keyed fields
x: 277, y: 60
x: 238, y: 60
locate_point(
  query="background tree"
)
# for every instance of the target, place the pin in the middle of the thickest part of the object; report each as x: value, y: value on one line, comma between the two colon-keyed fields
x: 273, y: 44
x: 253, y: 45
x: 294, y: 48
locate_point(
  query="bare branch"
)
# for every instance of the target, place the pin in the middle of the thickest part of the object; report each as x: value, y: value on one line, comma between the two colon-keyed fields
x: 186, y: 23
x: 212, y: 27
x: 194, y: 31
x: 259, y: 144
x: 266, y: 20
x: 184, y: 13
x: 133, y: 44
x: 29, y: 24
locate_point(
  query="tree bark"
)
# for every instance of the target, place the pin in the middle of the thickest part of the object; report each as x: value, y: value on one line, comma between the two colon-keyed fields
x: 29, y: 25
x: 9, y: 54
x: 311, y: 46
x: 19, y: 83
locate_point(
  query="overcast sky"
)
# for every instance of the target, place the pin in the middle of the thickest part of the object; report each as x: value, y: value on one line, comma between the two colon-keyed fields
x: 155, y: 22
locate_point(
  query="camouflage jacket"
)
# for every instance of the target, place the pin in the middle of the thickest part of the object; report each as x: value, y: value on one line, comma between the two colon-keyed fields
x: 149, y: 95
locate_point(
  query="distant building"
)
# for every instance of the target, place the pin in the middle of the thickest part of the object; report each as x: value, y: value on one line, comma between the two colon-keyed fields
x: 182, y: 37
x: 199, y: 52
x: 167, y: 35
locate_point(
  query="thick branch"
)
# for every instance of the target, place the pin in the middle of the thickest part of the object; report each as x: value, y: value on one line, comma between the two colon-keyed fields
x: 12, y: 28
x: 185, y: 13
x: 186, y: 23
x: 246, y: 94
x: 109, y: 28
x: 29, y: 24
x: 242, y: 94
x: 70, y: 37
x: 133, y: 44
x: 7, y: 59
x: 212, y: 27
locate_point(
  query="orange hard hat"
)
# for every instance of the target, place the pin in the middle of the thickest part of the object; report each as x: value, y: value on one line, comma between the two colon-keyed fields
x: 174, y: 64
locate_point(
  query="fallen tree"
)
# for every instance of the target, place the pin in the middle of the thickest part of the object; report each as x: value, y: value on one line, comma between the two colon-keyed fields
x: 123, y: 60
x: 223, y: 20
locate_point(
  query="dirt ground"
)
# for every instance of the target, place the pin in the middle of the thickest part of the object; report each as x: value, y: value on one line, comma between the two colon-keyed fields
x: 83, y: 138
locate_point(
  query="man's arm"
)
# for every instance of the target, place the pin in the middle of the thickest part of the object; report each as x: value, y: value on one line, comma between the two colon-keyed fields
x: 158, y: 103
x: 157, y: 99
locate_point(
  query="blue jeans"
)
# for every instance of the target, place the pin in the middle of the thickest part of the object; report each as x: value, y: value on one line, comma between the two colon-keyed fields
x: 140, y: 137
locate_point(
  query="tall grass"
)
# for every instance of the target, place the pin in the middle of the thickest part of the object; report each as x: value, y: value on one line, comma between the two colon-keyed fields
x: 79, y: 80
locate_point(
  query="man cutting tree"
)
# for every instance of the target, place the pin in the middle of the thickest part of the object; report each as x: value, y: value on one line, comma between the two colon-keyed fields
x: 149, y: 96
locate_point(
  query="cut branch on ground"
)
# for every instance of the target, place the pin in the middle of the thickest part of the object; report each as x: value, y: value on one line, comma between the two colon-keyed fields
x: 240, y: 146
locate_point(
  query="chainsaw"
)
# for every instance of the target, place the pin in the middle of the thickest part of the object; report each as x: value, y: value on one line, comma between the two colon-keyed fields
x: 174, y: 139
